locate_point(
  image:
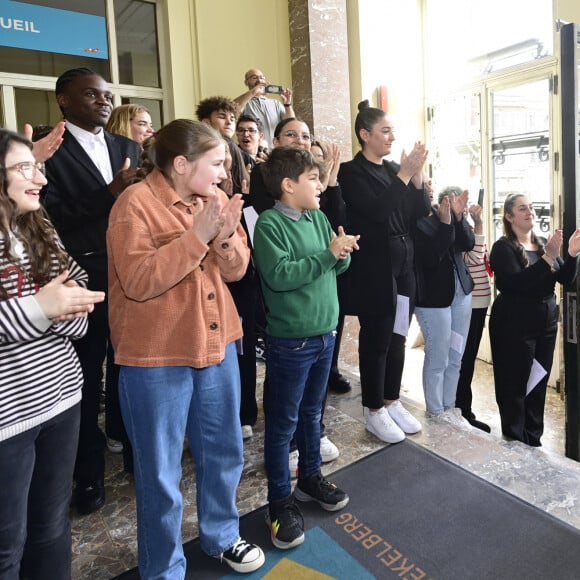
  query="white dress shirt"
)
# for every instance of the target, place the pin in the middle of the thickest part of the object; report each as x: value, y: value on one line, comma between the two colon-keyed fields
x: 95, y: 147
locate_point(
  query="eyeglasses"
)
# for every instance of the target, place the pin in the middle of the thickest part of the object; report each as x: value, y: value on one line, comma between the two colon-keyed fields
x: 241, y: 131
x: 28, y: 169
x: 294, y: 135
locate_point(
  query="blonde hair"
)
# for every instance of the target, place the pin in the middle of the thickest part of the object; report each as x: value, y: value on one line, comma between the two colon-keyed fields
x: 121, y: 117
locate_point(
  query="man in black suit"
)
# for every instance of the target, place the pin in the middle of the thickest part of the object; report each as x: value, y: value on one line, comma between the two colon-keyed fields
x: 85, y: 176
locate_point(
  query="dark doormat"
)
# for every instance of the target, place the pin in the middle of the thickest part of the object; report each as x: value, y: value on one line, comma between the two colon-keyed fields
x: 414, y: 516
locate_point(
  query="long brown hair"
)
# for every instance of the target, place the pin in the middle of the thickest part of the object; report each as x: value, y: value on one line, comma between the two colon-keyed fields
x: 509, y: 234
x: 33, y: 228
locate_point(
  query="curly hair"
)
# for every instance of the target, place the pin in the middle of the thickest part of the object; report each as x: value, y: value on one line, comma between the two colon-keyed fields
x: 212, y: 104
x: 33, y: 228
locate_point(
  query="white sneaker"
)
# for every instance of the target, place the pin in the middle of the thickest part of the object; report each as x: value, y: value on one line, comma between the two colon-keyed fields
x: 114, y: 446
x: 454, y: 417
x: 247, y: 431
x: 293, y: 463
x: 328, y: 450
x: 403, y: 418
x: 380, y: 424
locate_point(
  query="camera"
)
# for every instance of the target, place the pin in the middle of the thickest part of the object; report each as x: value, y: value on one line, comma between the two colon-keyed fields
x: 274, y: 89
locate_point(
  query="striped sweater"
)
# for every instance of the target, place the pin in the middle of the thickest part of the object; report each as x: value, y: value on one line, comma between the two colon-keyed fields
x: 40, y: 376
x: 475, y: 260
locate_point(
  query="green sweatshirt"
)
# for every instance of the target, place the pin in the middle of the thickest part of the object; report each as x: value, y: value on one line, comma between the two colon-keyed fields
x: 298, y: 272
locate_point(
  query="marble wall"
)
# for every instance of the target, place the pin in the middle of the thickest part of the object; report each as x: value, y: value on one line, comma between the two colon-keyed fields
x: 320, y: 78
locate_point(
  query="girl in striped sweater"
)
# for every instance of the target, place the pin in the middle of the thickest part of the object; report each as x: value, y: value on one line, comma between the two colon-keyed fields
x: 42, y: 306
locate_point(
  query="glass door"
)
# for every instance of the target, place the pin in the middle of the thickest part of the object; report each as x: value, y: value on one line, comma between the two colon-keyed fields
x: 520, y: 150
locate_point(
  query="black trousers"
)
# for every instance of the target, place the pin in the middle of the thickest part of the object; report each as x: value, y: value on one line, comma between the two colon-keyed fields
x: 519, y: 335
x: 381, y: 352
x: 93, y: 349
x: 464, y: 397
x: 248, y: 301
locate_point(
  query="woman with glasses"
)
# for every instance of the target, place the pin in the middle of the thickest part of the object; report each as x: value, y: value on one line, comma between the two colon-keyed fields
x: 43, y: 306
x: 383, y: 200
x: 524, y: 316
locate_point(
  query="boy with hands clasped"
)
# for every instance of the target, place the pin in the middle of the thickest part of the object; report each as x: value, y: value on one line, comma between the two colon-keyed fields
x: 298, y: 257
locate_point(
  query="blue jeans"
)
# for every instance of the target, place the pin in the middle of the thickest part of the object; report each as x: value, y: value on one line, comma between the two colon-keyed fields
x: 160, y: 405
x: 298, y: 370
x: 442, y: 359
x: 36, y: 474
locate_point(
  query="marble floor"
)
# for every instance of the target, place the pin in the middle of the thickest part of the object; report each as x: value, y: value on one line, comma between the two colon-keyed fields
x: 104, y: 543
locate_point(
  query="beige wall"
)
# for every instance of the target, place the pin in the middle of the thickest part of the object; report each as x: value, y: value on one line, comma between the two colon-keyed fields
x: 213, y: 42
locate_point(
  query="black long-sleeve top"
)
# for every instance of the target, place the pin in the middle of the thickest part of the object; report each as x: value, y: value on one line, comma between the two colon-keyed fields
x: 331, y: 202
x: 536, y: 282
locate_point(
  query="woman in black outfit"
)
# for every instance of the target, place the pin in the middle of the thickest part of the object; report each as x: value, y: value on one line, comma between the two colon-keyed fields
x: 524, y: 316
x: 383, y: 200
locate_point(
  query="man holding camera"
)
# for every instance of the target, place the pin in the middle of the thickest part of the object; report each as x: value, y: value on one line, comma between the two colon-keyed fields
x: 254, y: 102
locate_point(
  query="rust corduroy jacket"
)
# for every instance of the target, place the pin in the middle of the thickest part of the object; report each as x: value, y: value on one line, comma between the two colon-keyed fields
x: 168, y: 301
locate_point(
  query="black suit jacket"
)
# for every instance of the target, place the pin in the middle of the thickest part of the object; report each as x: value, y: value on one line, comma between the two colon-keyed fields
x: 367, y: 287
x: 439, y: 249
x: 78, y: 200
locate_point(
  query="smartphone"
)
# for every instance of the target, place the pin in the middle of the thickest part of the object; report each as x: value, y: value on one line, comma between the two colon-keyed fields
x: 480, y: 198
x: 274, y: 89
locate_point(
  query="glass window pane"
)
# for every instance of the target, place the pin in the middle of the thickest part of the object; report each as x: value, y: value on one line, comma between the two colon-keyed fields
x: 137, y: 44
x: 36, y: 107
x: 468, y: 39
x: 36, y: 25
x: 520, y: 149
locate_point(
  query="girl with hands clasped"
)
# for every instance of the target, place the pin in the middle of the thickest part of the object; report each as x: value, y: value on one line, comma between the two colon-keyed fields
x: 524, y: 316
x: 43, y: 306
x: 174, y: 240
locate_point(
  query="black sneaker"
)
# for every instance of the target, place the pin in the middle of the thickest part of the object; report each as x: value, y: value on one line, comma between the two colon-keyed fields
x: 316, y: 488
x: 243, y: 557
x: 286, y: 523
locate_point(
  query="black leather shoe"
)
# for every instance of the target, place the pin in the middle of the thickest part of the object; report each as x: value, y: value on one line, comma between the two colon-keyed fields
x: 479, y: 425
x: 338, y: 383
x: 90, y: 496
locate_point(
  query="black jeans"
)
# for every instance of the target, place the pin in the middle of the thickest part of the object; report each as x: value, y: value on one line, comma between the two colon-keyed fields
x: 36, y: 469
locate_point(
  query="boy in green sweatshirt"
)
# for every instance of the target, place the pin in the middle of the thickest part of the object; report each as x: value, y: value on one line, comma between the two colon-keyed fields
x: 298, y: 257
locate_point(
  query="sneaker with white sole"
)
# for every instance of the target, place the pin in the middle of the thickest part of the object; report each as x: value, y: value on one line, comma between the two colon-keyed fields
x: 247, y: 431
x: 114, y: 446
x: 403, y: 418
x: 380, y: 424
x: 454, y: 417
x: 328, y: 450
x: 243, y: 557
x: 286, y: 523
x: 325, y: 494
x: 293, y: 463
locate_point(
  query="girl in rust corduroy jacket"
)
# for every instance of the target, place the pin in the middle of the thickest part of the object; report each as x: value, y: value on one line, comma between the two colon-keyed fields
x: 174, y: 240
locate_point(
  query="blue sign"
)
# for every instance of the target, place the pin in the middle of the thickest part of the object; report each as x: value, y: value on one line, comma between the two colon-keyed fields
x: 52, y: 30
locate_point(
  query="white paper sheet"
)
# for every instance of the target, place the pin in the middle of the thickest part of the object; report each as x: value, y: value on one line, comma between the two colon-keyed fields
x: 457, y: 343
x: 402, y: 316
x: 537, y: 373
x: 251, y: 217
